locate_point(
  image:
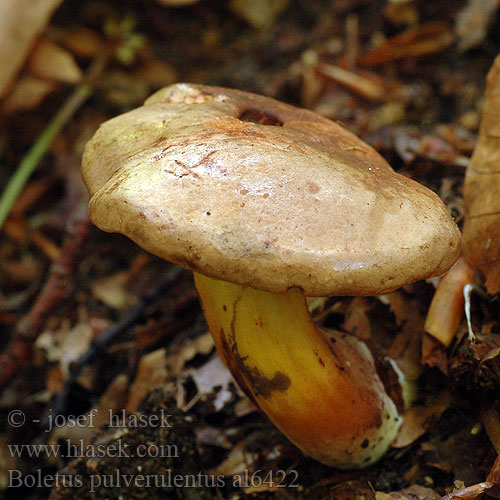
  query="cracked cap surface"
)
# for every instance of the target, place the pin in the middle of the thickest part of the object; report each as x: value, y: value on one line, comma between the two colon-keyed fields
x: 250, y: 190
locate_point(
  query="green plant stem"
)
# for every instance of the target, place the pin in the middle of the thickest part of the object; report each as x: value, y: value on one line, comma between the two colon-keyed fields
x: 35, y: 154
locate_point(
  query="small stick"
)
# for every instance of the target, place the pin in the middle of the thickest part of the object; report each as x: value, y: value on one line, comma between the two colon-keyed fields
x: 101, y: 343
x: 469, y: 493
x: 56, y: 289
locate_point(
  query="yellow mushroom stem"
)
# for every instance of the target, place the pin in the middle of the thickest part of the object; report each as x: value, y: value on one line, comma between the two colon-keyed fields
x: 322, y: 391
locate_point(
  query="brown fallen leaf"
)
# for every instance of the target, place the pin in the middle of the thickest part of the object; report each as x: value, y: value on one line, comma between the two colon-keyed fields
x: 447, y: 306
x: 54, y: 381
x: 212, y: 436
x: 176, y: 361
x: 46, y: 245
x: 401, y: 13
x: 405, y: 352
x: 65, y: 344
x: 411, y: 144
x: 351, y: 489
x: 469, y: 493
x: 473, y: 22
x: 481, y: 234
x: 428, y: 38
x: 151, y: 372
x: 414, y: 492
x: 81, y: 41
x: 20, y: 22
x: 398, y: 305
x: 52, y: 62
x: 259, y: 13
x: 236, y: 462
x: 28, y: 93
x: 458, y: 136
x: 419, y: 418
x: 433, y: 353
x: 112, y: 291
x: 380, y: 495
x: 155, y: 368
x: 366, y: 84
x: 356, y: 320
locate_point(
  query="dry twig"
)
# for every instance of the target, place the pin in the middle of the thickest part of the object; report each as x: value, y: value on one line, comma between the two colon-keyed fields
x: 56, y: 289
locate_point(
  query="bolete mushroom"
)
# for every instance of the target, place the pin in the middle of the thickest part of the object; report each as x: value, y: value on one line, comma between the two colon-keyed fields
x: 268, y: 204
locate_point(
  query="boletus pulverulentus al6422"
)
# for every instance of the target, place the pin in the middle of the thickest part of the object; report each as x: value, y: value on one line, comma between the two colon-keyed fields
x: 268, y: 204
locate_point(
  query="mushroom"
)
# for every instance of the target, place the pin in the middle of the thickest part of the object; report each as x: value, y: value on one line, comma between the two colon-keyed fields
x: 268, y: 204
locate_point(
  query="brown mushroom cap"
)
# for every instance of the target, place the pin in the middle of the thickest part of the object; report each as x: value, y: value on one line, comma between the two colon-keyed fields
x: 250, y: 190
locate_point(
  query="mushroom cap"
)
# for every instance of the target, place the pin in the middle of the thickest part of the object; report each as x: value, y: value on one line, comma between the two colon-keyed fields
x: 247, y: 189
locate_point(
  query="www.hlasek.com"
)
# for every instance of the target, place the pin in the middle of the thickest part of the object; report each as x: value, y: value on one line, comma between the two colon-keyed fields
x: 82, y: 449
x: 246, y: 479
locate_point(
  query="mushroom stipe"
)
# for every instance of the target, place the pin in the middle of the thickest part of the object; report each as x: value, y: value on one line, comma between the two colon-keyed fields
x: 326, y: 397
x: 269, y: 203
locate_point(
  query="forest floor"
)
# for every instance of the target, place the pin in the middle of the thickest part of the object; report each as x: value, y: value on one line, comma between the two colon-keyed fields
x: 88, y: 330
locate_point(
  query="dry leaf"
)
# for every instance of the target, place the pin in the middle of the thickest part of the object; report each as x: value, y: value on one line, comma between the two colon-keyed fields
x: 473, y: 22
x: 259, y: 13
x: 52, y: 62
x: 414, y: 492
x: 212, y: 436
x: 481, y: 234
x: 113, y: 399
x: 356, y: 320
x: 46, y: 245
x: 364, y: 83
x: 54, y: 380
x: 401, y: 13
x: 155, y: 368
x: 406, y: 348
x: 469, y: 493
x: 152, y: 371
x: 399, y: 306
x: 380, y: 495
x: 111, y: 290
x: 244, y: 406
x: 428, y: 38
x: 237, y: 462
x: 211, y: 376
x: 433, y: 353
x: 20, y: 22
x: 81, y: 41
x: 201, y: 345
x: 28, y: 93
x: 65, y: 345
x: 418, y: 419
x: 447, y: 306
